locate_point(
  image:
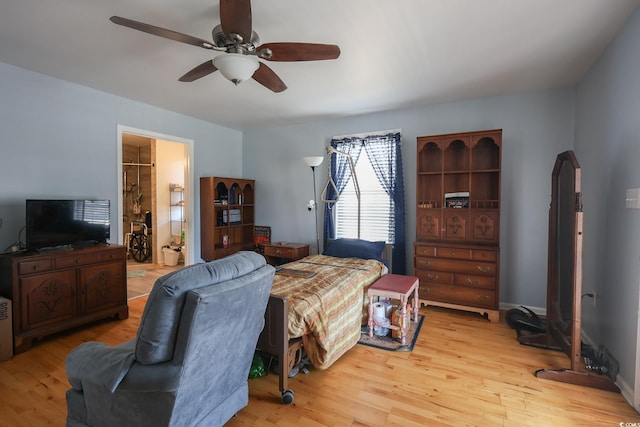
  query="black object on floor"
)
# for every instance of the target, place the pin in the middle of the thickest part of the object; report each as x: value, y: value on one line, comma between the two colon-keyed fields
x: 525, y: 320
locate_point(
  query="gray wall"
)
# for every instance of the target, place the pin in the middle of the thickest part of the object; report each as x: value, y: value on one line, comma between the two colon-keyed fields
x: 58, y: 140
x: 536, y: 127
x: 608, y: 148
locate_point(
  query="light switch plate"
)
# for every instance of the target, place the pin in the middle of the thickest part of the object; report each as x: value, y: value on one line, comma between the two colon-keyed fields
x: 633, y: 198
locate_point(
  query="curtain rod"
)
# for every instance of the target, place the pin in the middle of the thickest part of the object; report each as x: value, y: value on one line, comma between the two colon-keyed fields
x: 365, y: 134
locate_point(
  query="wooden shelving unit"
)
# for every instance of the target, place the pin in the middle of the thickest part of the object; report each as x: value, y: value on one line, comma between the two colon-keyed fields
x: 227, y: 214
x: 457, y: 248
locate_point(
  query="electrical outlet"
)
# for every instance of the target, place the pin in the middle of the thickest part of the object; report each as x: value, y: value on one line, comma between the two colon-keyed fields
x: 633, y: 198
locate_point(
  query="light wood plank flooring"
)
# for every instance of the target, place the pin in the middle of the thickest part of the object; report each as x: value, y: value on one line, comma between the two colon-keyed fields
x: 464, y: 371
x: 141, y: 285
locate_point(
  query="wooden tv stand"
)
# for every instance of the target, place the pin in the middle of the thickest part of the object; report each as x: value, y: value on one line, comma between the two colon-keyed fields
x: 56, y: 290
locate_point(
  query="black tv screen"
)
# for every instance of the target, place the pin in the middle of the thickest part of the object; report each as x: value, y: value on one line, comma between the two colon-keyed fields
x: 53, y: 223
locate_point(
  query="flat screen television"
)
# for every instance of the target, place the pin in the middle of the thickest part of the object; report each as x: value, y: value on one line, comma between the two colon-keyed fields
x: 54, y: 223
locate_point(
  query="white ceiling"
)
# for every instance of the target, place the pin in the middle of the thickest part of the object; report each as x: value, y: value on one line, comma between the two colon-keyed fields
x: 395, y: 54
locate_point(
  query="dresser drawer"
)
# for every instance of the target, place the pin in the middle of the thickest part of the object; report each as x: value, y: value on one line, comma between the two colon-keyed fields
x: 279, y: 251
x: 482, y: 255
x: 428, y: 276
x: 455, y: 253
x: 484, y: 282
x: 455, y: 266
x: 458, y: 295
x: 75, y: 260
x: 113, y: 255
x: 36, y: 266
x: 422, y: 250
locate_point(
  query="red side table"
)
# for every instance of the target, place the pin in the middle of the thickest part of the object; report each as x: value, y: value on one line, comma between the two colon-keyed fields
x: 395, y: 286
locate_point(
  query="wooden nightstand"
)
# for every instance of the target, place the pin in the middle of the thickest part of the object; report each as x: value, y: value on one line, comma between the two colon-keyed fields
x: 282, y: 252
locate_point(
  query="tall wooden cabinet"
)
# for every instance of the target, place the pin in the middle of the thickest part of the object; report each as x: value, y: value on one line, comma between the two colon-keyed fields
x: 457, y: 249
x: 227, y: 214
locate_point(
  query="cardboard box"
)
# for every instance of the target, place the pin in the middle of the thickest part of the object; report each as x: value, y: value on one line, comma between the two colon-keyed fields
x: 6, y: 329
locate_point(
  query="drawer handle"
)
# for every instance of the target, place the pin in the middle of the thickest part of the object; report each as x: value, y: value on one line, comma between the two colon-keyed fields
x: 424, y: 263
x: 483, y: 297
x: 278, y: 252
x: 453, y: 253
x: 432, y: 276
x: 473, y: 282
x: 484, y: 269
x: 35, y: 267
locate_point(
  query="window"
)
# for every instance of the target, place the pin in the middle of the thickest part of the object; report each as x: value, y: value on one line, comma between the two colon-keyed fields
x: 375, y: 207
x: 378, y: 167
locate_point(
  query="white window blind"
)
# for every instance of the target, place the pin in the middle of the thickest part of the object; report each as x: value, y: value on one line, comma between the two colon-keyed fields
x: 375, y: 206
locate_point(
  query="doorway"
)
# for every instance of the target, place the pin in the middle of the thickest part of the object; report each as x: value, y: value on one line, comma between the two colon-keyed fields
x: 150, y: 168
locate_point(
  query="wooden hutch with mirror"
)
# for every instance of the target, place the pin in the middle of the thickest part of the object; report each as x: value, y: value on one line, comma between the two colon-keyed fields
x: 227, y: 215
x: 457, y: 248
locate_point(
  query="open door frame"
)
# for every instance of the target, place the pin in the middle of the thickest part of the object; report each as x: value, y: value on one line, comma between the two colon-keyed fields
x: 188, y: 179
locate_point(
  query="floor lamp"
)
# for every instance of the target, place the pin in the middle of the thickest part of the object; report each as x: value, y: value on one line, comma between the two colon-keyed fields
x: 313, y: 162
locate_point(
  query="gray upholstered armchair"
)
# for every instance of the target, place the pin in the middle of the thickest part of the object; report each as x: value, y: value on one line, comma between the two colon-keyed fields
x: 190, y: 361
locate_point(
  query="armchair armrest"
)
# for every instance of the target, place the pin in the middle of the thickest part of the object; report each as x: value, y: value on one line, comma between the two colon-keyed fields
x: 98, y: 363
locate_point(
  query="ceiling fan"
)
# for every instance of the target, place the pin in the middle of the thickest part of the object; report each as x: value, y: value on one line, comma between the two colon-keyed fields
x: 241, y: 46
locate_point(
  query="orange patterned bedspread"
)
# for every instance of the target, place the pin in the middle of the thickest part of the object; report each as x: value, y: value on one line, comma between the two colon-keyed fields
x: 326, y: 308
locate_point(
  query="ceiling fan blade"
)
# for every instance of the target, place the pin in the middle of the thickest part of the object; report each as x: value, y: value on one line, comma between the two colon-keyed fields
x: 162, y: 32
x: 300, y: 51
x: 198, y: 72
x: 235, y: 17
x: 269, y: 79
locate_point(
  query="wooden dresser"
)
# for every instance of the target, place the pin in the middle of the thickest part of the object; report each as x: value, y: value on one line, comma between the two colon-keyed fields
x: 457, y: 252
x: 61, y: 289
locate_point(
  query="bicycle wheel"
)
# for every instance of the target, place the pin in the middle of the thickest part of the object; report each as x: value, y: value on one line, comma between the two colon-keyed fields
x: 140, y: 247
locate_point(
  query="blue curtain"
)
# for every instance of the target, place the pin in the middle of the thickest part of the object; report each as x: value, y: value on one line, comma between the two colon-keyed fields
x: 340, y: 173
x: 384, y: 152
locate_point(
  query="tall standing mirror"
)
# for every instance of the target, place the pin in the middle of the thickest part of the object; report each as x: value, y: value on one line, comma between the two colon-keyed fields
x: 564, y: 278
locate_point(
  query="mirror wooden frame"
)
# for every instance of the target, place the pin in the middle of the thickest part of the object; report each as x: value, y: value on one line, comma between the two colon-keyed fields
x: 564, y: 278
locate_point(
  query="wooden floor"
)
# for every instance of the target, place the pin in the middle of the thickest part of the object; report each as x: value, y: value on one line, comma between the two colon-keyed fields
x: 145, y: 275
x: 464, y: 371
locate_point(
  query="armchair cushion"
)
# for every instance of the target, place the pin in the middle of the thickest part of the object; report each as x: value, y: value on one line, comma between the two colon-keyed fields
x: 157, y: 332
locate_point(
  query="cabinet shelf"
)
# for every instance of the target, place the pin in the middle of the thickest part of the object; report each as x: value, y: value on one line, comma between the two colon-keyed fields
x: 485, y: 171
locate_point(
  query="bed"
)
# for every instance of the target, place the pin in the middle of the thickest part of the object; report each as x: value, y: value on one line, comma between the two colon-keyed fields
x: 318, y: 303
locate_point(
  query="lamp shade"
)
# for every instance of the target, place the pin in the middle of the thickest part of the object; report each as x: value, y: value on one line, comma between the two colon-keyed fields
x: 236, y: 66
x: 313, y: 161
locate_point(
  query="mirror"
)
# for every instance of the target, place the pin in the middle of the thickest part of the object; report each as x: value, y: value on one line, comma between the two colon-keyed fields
x: 564, y: 278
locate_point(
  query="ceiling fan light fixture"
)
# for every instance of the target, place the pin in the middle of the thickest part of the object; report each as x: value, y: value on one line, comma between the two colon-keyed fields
x: 236, y: 67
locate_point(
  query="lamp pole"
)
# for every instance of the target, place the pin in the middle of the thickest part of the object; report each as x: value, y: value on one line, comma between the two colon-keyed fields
x: 315, y: 207
x: 313, y: 162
